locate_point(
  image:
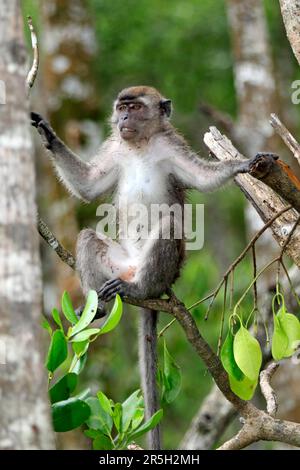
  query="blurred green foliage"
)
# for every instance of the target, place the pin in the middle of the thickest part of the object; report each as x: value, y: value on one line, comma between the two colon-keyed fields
x: 183, y: 49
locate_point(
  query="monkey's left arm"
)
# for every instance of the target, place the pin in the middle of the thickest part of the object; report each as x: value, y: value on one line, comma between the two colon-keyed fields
x: 197, y: 173
x: 83, y: 179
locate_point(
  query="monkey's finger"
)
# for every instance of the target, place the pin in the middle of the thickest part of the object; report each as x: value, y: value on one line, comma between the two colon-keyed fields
x: 35, y: 117
x: 260, y: 155
x: 110, y: 283
x: 108, y: 294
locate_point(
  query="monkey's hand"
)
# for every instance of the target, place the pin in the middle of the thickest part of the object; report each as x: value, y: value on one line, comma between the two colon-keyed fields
x: 260, y: 163
x: 44, y: 129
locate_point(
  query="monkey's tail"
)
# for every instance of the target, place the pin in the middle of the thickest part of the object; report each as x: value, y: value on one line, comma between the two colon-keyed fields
x: 148, y: 369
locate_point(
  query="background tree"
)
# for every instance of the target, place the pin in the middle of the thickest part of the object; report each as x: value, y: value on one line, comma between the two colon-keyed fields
x: 25, y: 422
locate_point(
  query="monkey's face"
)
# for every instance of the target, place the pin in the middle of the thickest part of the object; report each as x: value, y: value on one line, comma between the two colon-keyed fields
x: 131, y: 119
x: 139, y: 112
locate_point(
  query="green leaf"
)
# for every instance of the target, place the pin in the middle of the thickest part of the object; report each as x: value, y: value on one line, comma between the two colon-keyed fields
x: 114, y: 316
x: 150, y: 424
x: 67, y: 308
x: 63, y: 388
x: 45, y: 324
x: 88, y: 313
x: 84, y: 335
x: 117, y: 417
x: 58, y: 351
x: 227, y: 358
x: 69, y: 414
x: 247, y: 353
x: 137, y: 418
x: 80, y: 348
x: 99, y: 419
x: 56, y: 318
x: 171, y: 377
x: 291, y: 327
x: 85, y: 394
x: 105, y: 402
x: 78, y: 364
x: 102, y: 442
x: 280, y: 340
x: 130, y: 406
x: 244, y: 388
x: 92, y: 433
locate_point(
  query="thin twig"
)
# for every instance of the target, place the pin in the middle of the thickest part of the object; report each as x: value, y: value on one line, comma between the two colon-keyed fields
x: 287, y: 241
x: 53, y: 242
x: 254, y: 276
x: 214, y: 294
x: 43, y: 229
x: 222, y: 318
x: 164, y: 329
x: 35, y: 64
x: 290, y: 282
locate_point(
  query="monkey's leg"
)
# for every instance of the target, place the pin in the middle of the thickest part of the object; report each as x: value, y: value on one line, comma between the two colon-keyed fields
x: 98, y: 260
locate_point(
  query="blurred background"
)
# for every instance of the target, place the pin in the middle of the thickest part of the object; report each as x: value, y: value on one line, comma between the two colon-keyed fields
x: 191, y: 51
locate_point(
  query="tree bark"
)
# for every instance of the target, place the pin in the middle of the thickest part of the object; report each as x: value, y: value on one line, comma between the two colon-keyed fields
x: 24, y: 416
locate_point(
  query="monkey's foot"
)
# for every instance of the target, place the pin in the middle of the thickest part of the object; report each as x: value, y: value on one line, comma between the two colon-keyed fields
x: 101, y: 312
x: 111, y: 288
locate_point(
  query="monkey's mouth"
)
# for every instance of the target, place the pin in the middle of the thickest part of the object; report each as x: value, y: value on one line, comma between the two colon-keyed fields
x: 127, y: 131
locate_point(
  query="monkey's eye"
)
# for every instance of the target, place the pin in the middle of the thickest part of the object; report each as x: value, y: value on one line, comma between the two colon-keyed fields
x: 136, y: 106
x: 122, y: 107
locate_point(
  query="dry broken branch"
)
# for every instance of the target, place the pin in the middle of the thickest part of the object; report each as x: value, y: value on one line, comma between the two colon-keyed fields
x: 266, y: 389
x: 286, y: 136
x: 263, y: 198
x: 278, y: 175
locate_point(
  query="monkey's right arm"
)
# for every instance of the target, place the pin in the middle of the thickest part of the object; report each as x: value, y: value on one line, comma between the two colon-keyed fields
x: 85, y: 180
x: 197, y: 173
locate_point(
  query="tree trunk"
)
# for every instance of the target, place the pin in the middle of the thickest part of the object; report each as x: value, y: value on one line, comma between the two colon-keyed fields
x: 24, y: 416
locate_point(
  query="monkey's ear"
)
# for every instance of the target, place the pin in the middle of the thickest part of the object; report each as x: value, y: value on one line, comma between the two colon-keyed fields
x: 166, y: 107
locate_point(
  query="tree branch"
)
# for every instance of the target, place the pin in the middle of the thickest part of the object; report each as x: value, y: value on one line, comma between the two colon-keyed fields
x: 286, y: 136
x: 263, y: 198
x: 53, y: 242
x: 266, y: 389
x: 253, y: 416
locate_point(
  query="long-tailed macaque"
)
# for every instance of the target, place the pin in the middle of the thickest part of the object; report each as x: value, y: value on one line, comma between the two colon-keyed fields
x: 146, y: 162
